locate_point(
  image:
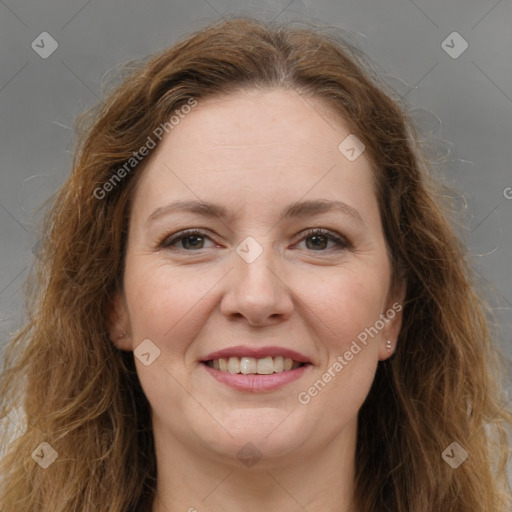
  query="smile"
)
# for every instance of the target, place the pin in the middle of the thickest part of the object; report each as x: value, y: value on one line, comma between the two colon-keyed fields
x: 256, y: 369
x: 251, y: 365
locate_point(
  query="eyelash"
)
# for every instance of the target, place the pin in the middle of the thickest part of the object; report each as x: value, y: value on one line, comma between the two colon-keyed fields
x: 168, y: 241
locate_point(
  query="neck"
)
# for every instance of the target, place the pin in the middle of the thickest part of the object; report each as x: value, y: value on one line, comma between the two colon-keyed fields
x: 317, y: 480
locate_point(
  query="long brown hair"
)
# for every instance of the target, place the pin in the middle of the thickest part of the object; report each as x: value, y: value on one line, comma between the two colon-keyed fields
x: 73, y: 390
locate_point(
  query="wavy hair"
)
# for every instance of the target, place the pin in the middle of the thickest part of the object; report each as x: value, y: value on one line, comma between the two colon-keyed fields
x: 64, y: 383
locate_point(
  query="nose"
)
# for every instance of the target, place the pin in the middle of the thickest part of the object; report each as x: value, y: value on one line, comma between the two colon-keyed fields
x: 257, y: 291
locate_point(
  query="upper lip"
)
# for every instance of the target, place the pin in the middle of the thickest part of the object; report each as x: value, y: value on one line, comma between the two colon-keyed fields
x: 257, y: 352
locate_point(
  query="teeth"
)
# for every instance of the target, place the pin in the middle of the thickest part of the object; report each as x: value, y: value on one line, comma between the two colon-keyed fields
x: 265, y: 366
x: 234, y: 365
x: 247, y: 365
x: 251, y: 365
x: 278, y: 364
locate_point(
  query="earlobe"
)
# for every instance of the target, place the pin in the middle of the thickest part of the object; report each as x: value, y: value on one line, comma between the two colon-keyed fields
x: 119, y: 324
x: 393, y: 326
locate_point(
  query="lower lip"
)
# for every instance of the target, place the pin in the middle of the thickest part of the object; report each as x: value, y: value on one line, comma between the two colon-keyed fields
x: 254, y: 382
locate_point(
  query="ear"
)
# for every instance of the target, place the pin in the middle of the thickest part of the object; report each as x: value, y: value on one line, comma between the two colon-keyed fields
x: 118, y: 323
x: 392, y: 319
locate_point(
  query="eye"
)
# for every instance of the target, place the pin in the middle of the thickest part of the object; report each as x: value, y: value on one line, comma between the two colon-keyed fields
x: 193, y: 235
x: 321, y: 236
x: 193, y: 239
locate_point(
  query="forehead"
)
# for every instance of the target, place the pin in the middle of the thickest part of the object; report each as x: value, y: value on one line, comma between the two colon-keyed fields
x: 278, y: 118
x: 258, y: 146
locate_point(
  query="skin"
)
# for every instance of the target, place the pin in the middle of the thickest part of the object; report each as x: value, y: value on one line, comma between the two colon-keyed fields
x: 255, y: 152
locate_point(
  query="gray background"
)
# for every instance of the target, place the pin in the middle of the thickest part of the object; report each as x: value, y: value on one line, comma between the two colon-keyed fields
x: 463, y: 104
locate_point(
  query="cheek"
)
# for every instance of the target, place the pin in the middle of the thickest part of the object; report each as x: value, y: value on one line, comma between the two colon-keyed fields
x: 343, y: 306
x: 346, y: 303
x: 164, y: 303
x: 161, y: 299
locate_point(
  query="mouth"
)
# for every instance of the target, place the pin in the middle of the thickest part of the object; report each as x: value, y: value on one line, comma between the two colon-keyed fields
x: 248, y: 365
x: 256, y: 369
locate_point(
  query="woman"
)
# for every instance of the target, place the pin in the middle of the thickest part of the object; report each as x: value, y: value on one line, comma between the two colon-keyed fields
x: 195, y: 343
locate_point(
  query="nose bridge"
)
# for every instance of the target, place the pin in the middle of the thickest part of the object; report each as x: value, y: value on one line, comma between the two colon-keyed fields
x: 256, y: 290
x: 255, y: 266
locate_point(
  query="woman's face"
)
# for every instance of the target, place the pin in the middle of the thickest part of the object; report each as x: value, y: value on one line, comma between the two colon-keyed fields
x: 254, y: 288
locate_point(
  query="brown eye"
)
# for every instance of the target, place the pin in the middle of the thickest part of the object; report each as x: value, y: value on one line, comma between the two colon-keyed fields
x: 191, y: 240
x: 321, y: 237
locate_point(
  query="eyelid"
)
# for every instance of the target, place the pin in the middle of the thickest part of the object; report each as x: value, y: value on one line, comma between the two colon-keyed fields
x: 342, y: 241
x: 167, y: 240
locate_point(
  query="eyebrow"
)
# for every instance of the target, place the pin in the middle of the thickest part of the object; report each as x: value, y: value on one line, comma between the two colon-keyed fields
x: 294, y: 210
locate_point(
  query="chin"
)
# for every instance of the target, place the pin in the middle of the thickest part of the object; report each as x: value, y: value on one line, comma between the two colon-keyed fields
x: 269, y: 434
